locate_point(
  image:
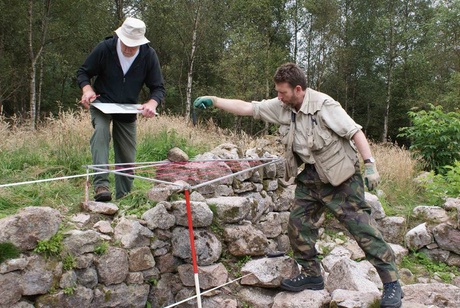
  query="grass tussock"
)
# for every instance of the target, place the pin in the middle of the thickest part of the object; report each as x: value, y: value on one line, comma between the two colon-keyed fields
x: 397, y: 169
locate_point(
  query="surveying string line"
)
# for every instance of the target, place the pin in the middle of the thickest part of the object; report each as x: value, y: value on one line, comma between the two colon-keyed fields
x: 183, y: 163
x: 120, y: 172
x: 165, y: 162
x: 102, y: 171
x: 49, y: 180
x: 207, y: 291
x: 132, y: 164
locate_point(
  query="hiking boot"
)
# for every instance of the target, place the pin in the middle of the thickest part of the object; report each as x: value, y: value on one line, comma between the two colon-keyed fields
x: 392, y: 294
x: 303, y: 282
x: 102, y: 193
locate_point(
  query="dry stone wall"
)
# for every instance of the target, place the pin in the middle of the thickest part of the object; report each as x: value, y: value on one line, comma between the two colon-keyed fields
x: 111, y: 259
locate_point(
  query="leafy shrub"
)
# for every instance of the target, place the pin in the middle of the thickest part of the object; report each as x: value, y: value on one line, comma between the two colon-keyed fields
x: 435, y: 137
x: 439, y: 187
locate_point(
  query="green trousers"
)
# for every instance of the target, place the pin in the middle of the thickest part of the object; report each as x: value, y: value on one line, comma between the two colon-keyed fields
x: 124, y: 146
x: 346, y: 202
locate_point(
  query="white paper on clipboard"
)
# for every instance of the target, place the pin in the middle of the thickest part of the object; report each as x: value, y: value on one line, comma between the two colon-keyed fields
x: 109, y: 108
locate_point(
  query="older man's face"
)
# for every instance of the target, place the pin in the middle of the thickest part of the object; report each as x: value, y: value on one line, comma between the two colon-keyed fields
x: 128, y: 51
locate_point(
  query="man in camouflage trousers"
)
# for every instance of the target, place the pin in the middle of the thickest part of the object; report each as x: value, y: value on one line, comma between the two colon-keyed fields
x: 322, y: 137
x: 347, y: 204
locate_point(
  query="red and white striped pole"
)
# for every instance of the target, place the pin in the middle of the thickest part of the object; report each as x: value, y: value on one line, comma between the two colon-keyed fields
x: 192, y: 247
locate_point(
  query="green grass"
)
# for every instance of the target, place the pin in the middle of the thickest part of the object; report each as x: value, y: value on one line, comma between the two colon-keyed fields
x: 8, y: 251
x: 101, y: 248
x: 420, y: 265
x: 69, y: 262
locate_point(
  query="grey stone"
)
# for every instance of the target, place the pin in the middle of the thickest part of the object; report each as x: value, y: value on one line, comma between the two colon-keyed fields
x: 29, y: 226
x: 112, y: 266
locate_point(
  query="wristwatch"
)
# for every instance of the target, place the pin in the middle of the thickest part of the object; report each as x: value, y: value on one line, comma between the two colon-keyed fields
x: 369, y: 160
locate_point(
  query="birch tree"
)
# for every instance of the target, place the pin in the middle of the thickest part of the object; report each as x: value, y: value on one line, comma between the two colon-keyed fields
x: 35, y: 52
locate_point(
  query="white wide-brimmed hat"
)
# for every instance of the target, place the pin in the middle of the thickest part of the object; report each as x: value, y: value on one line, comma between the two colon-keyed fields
x: 132, y: 32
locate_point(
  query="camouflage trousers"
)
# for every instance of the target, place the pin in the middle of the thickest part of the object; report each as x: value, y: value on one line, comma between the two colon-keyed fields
x: 346, y: 202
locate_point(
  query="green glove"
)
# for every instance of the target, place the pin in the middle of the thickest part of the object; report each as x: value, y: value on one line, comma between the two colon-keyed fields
x: 203, y: 102
x: 371, y: 176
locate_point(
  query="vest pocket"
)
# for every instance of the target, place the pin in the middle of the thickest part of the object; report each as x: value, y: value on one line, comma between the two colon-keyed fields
x: 333, y: 163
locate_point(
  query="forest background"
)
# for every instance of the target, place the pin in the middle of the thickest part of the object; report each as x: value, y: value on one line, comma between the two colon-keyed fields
x: 379, y: 59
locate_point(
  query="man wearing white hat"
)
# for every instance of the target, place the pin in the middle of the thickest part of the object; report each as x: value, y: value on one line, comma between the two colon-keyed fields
x: 120, y: 65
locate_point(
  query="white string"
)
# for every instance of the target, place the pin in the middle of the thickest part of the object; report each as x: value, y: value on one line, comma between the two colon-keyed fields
x: 207, y: 291
x: 51, y: 179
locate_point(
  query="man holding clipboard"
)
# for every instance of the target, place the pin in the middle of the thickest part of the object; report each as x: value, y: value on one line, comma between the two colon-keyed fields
x: 121, y: 65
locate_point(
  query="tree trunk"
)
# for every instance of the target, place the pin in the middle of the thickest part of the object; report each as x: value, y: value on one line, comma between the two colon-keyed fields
x: 33, y: 62
x: 40, y: 86
x: 188, y: 102
x: 390, y: 68
x: 34, y: 57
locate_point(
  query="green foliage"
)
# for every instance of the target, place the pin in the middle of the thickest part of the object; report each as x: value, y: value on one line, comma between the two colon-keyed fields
x: 101, y: 248
x: 435, y: 137
x: 419, y: 263
x: 51, y: 247
x: 438, y: 187
x: 69, y: 262
x: 69, y: 290
x: 240, y: 263
x: 452, y: 96
x: 137, y: 203
x: 8, y: 251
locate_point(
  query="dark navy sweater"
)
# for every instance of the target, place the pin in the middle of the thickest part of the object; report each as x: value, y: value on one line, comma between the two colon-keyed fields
x: 110, y: 82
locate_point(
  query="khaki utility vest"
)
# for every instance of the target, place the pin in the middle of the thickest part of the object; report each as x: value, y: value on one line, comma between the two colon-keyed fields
x: 335, y: 157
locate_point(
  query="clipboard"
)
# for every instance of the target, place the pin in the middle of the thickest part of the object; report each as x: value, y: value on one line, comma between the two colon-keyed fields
x: 109, y: 108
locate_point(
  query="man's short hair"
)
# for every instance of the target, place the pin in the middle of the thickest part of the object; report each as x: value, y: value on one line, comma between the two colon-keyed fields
x: 292, y: 74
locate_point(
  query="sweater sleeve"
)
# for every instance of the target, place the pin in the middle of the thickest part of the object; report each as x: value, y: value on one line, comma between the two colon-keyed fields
x: 154, y: 80
x: 90, y: 67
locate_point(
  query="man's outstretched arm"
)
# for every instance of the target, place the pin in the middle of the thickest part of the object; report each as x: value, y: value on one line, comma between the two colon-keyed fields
x: 234, y: 106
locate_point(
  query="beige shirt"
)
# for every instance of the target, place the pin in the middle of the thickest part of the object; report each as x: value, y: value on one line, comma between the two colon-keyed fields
x: 332, y: 114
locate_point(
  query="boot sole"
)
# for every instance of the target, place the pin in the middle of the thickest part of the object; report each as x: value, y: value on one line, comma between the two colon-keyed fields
x: 317, y: 286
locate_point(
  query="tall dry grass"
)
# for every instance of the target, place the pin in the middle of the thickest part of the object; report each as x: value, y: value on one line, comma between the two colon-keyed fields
x: 205, y: 135
x: 397, y: 169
